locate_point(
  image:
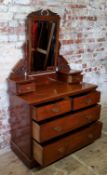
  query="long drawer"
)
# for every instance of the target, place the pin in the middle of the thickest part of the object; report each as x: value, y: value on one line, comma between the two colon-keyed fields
x: 53, y: 109
x: 46, y: 131
x: 85, y: 100
x: 46, y: 154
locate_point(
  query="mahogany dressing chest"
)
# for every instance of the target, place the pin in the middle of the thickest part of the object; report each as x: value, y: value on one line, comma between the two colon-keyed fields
x: 53, y: 113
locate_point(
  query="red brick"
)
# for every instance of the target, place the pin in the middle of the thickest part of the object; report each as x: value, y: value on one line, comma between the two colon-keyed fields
x: 84, y: 65
x: 90, y: 18
x: 79, y: 35
x: 101, y: 40
x: 20, y: 29
x: 80, y: 51
x: 90, y: 40
x: 67, y: 42
x: 78, y: 41
x: 6, y: 29
x: 77, y: 6
x: 100, y: 49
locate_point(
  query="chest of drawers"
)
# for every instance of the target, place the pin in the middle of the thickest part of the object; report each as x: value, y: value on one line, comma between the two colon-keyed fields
x: 54, y: 121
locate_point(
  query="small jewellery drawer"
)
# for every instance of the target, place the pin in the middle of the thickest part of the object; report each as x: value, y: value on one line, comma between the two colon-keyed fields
x: 88, y: 99
x: 70, y: 77
x: 51, y: 110
x: 75, y: 78
x: 26, y: 88
x: 49, y: 130
x: 48, y: 153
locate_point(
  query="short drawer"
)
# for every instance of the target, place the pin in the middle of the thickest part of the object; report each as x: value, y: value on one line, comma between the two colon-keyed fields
x: 46, y: 154
x: 70, y: 78
x: 75, y: 78
x: 51, y: 110
x: 26, y: 88
x: 49, y: 130
x: 88, y: 99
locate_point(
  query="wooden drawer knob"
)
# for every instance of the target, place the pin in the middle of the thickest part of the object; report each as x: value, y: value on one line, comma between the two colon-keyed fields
x: 90, y: 136
x: 28, y: 87
x: 58, y: 129
x: 77, y: 79
x: 89, y: 117
x: 55, y: 110
x: 61, y: 150
x: 88, y: 100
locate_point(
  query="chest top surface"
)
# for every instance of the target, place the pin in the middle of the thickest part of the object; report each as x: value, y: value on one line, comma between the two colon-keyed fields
x: 53, y: 90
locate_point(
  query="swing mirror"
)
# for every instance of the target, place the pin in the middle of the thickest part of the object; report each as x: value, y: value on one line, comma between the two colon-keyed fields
x: 43, y: 31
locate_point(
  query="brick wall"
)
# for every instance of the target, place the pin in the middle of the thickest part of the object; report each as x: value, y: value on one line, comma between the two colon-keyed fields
x: 83, y: 34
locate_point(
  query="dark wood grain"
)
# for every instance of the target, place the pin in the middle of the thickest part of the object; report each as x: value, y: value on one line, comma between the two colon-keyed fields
x: 70, y: 78
x: 51, y: 110
x: 88, y: 99
x: 26, y: 88
x: 64, y: 124
x: 53, y: 90
x: 56, y: 150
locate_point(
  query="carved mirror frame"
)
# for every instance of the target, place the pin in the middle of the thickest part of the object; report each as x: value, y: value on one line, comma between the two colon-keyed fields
x: 47, y: 16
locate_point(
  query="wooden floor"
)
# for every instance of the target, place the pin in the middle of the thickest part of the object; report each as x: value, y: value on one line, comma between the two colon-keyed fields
x: 91, y: 160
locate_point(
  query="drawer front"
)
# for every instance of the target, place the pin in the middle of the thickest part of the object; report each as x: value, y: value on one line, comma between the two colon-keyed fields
x: 75, y: 78
x: 85, y: 100
x: 65, y: 124
x: 56, y: 150
x: 51, y: 110
x: 26, y: 88
x: 70, y: 78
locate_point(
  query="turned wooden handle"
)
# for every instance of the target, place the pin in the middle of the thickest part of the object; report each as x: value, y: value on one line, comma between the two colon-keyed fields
x: 57, y: 128
x: 90, y: 136
x: 61, y: 150
x: 55, y: 109
x: 89, y: 117
x: 28, y: 87
x: 88, y: 100
x: 77, y: 78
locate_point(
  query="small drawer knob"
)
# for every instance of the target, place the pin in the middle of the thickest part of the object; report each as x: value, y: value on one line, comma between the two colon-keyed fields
x: 90, y: 136
x: 89, y: 117
x: 88, y: 100
x: 61, y: 150
x: 55, y: 110
x: 58, y: 129
x: 28, y: 87
x: 77, y: 79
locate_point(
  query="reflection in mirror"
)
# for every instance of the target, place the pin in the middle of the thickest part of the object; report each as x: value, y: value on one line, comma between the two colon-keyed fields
x: 43, y: 44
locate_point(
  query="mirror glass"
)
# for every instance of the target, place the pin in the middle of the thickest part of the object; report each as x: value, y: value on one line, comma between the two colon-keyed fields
x: 43, y: 42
